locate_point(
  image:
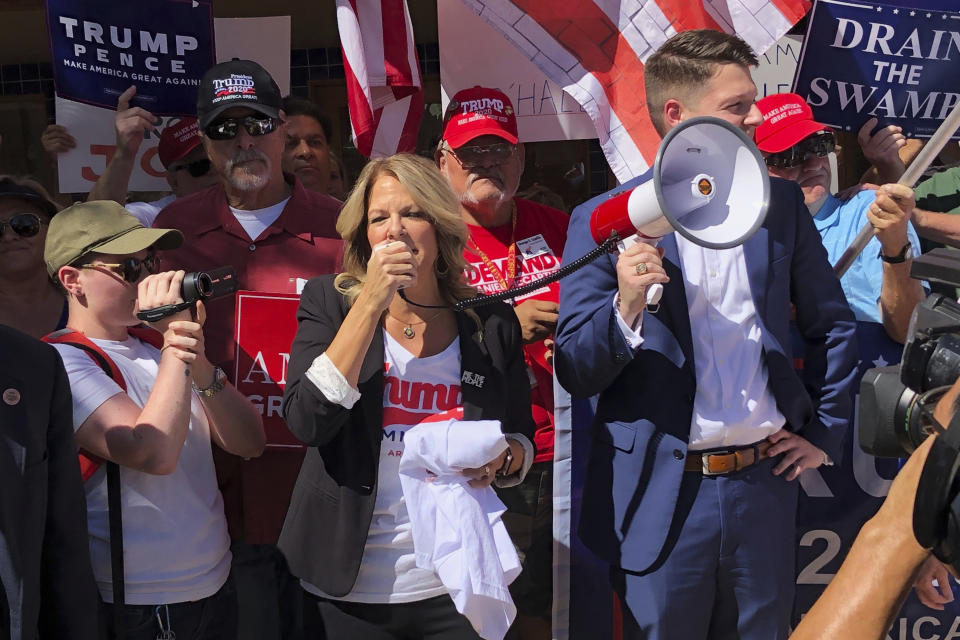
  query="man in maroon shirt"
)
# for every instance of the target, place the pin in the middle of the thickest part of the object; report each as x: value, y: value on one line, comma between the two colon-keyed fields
x: 512, y: 242
x: 276, y: 235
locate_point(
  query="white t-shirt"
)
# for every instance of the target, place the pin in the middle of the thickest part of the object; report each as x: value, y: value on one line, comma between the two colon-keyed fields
x: 147, y: 212
x: 413, y: 389
x: 255, y: 221
x: 175, y: 542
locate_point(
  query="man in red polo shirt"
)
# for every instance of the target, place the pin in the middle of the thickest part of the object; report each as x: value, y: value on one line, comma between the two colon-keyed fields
x: 512, y: 242
x: 276, y: 235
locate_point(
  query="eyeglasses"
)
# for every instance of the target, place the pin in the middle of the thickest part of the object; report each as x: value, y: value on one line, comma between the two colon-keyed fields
x: 476, y: 155
x: 228, y: 128
x: 25, y: 225
x: 197, y: 168
x: 130, y: 269
x: 818, y: 145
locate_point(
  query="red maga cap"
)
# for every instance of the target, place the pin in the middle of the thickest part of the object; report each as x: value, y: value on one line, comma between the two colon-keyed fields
x: 787, y: 120
x: 177, y: 140
x: 479, y: 112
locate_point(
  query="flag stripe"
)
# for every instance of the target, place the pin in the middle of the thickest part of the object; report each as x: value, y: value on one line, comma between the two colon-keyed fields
x: 586, y: 32
x: 596, y: 49
x: 370, y: 22
x: 792, y: 10
x: 686, y: 14
x: 413, y: 62
x: 362, y: 119
x: 395, y: 43
x: 384, y: 90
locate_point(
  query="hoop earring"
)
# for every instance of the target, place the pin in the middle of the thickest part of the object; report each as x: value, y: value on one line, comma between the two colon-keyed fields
x: 441, y: 271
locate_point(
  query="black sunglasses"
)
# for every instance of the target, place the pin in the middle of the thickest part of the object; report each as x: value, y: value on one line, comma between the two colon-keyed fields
x: 819, y: 144
x: 197, y: 168
x: 475, y: 155
x: 228, y: 128
x: 25, y: 225
x: 130, y: 269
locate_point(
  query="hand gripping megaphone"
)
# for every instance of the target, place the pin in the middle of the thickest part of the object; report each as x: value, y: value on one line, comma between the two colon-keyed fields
x: 709, y: 184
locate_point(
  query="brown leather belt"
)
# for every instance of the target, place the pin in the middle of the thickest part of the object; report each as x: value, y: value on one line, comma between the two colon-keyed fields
x: 718, y: 463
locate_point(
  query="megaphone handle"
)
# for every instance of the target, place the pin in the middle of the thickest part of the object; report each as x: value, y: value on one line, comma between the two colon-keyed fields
x: 655, y: 291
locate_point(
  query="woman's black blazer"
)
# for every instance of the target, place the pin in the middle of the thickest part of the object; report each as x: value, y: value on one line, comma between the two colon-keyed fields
x: 332, y: 504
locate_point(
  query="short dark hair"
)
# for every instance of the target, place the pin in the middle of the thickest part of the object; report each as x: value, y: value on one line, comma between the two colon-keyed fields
x: 684, y: 63
x: 295, y: 106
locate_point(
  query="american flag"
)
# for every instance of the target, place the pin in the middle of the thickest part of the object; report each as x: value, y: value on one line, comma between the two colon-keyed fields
x: 595, y: 50
x: 384, y: 91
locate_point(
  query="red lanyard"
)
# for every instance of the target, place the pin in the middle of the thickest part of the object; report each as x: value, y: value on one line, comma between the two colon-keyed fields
x: 505, y: 282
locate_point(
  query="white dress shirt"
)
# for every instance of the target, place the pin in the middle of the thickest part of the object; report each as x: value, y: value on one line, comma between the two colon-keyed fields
x: 733, y: 405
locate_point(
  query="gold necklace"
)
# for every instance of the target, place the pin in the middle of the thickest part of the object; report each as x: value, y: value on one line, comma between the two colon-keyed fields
x: 408, y: 331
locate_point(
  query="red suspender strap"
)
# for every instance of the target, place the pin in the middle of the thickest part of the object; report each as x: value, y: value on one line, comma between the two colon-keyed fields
x: 89, y: 463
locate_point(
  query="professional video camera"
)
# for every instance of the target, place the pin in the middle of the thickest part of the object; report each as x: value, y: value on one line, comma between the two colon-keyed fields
x: 200, y: 285
x: 896, y: 402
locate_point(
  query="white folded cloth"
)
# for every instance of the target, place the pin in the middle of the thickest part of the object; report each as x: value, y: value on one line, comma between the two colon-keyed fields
x: 457, y: 530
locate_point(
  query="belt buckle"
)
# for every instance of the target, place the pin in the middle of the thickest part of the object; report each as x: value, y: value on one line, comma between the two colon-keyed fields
x: 721, y: 459
x: 731, y: 461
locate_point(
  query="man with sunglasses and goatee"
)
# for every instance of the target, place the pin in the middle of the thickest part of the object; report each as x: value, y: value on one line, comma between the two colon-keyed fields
x: 277, y: 235
x: 151, y: 402
x: 878, y: 285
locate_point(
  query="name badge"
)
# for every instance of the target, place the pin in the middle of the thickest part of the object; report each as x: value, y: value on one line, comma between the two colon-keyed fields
x: 533, y: 246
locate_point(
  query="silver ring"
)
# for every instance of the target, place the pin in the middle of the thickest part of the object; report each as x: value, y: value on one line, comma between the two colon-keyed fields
x: 641, y: 268
x: 486, y: 469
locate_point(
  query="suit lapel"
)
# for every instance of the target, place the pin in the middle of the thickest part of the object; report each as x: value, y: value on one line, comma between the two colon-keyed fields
x: 476, y: 383
x: 756, y: 254
x: 673, y: 305
x: 371, y: 388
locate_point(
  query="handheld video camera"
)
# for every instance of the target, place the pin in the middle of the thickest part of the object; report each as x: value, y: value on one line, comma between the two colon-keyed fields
x: 199, y: 285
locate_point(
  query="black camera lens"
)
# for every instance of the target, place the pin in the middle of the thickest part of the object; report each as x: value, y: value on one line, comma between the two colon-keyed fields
x: 201, y: 285
x: 196, y: 286
x: 204, y: 285
x: 890, y: 425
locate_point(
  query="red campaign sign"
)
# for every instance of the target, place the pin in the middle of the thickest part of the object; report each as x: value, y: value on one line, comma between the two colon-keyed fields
x: 266, y: 325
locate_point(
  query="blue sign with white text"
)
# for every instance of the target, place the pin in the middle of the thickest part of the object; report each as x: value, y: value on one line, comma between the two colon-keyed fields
x: 875, y: 59
x: 101, y: 47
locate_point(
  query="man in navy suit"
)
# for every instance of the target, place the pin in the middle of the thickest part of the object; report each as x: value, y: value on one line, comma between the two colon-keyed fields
x: 701, y: 423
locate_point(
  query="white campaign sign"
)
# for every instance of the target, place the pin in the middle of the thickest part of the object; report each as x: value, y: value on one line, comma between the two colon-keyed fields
x: 266, y: 40
x: 777, y: 66
x: 474, y: 53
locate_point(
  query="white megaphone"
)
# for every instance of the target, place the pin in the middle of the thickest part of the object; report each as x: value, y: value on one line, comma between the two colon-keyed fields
x: 709, y: 184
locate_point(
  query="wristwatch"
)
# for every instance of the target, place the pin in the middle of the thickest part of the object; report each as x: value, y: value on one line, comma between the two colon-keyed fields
x: 906, y: 252
x: 215, y: 387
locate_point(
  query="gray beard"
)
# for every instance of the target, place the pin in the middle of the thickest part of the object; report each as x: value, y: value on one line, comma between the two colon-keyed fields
x: 468, y: 200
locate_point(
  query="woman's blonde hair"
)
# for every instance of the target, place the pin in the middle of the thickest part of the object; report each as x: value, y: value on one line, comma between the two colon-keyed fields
x: 435, y: 198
